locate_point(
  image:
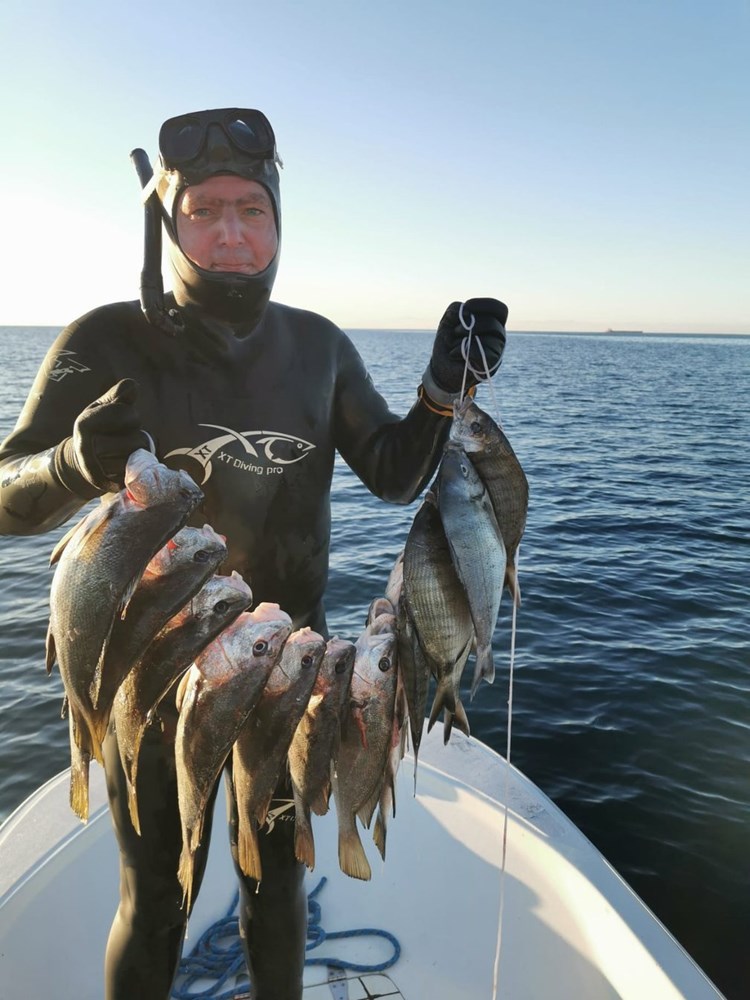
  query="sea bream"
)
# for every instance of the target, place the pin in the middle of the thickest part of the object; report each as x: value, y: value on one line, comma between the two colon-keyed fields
x: 183, y: 638
x: 174, y: 575
x: 497, y: 464
x: 214, y: 698
x: 437, y: 605
x: 99, y: 563
x: 315, y: 743
x: 259, y: 755
x: 358, y: 775
x: 477, y: 549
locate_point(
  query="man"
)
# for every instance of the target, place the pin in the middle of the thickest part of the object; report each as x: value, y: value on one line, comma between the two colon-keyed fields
x: 253, y: 399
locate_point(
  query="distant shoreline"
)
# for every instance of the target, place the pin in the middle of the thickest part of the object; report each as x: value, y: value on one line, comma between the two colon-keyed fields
x: 516, y: 333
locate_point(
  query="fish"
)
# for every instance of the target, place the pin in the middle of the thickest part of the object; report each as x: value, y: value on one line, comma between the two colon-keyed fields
x: 216, y: 605
x: 359, y: 772
x: 387, y: 799
x: 379, y: 606
x: 214, y: 698
x: 316, y: 741
x: 497, y: 464
x: 259, y: 755
x: 98, y: 565
x: 476, y: 547
x: 174, y: 575
x: 437, y: 608
x: 395, y: 580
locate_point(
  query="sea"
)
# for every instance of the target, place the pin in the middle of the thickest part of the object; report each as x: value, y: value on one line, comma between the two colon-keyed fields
x: 631, y: 681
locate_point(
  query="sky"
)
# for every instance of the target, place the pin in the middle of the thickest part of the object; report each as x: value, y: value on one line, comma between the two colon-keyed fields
x: 585, y: 161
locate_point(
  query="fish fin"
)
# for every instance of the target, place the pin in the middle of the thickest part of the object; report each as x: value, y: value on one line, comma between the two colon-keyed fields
x: 321, y: 803
x: 379, y: 833
x: 50, y: 651
x: 185, y: 876
x: 79, y: 771
x: 133, y: 808
x: 304, y: 845
x: 352, y: 858
x: 248, y: 850
x: 367, y: 809
x: 484, y: 667
x: 65, y: 707
x: 96, y: 683
x: 511, y: 582
x: 92, y: 522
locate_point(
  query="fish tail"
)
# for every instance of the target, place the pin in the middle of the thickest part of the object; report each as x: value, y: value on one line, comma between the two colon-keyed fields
x: 248, y: 850
x: 445, y: 698
x: 352, y: 858
x: 447, y: 726
x: 304, y: 845
x: 483, y: 668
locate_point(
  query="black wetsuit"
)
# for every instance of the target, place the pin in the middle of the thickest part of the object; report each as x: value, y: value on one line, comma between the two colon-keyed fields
x: 256, y: 420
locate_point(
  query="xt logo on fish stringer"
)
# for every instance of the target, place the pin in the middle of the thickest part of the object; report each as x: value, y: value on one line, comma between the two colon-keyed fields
x: 285, y: 811
x: 277, y: 450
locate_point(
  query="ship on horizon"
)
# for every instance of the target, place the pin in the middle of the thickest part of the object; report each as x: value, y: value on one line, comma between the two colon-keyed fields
x: 610, y: 330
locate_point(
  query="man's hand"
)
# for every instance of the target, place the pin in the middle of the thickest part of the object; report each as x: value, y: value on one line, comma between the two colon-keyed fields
x: 105, y: 434
x: 446, y: 368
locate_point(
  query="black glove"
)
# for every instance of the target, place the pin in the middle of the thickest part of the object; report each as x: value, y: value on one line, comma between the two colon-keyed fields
x: 445, y: 372
x: 105, y: 434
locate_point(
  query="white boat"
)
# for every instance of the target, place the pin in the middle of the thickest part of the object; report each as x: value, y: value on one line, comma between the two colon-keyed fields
x: 571, y: 927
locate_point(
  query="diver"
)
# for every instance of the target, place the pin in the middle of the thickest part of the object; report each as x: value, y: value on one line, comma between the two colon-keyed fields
x: 253, y: 398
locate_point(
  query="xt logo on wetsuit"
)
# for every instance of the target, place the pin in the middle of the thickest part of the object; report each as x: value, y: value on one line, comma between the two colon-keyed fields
x: 64, y: 364
x: 262, y: 452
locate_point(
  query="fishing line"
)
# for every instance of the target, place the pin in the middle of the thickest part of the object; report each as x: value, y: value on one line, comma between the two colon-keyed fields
x: 486, y: 376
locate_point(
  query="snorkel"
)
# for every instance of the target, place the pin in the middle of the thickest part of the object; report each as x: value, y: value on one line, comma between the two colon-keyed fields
x: 193, y: 148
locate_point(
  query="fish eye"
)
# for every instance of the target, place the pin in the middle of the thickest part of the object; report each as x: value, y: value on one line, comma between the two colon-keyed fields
x: 384, y: 664
x: 221, y: 607
x: 202, y: 556
x: 340, y: 667
x: 464, y: 469
x: 260, y: 647
x: 307, y: 660
x: 475, y: 427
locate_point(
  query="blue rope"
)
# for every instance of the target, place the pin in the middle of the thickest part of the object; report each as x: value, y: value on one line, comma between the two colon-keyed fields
x: 218, y: 955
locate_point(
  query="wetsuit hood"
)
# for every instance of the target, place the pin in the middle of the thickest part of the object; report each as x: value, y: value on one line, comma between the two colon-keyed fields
x: 218, y: 142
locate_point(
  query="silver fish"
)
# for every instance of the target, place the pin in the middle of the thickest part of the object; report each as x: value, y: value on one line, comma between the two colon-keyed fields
x: 214, y: 698
x: 387, y: 799
x: 358, y: 775
x: 316, y: 741
x: 477, y: 549
x: 492, y: 455
x: 437, y: 605
x: 183, y: 638
x: 99, y: 564
x: 260, y: 751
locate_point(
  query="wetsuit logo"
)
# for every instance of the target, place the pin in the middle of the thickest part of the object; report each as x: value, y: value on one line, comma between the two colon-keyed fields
x: 63, y: 364
x: 283, y: 811
x: 264, y: 453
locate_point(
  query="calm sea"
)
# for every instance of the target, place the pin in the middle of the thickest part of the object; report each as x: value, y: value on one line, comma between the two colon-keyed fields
x: 632, y: 685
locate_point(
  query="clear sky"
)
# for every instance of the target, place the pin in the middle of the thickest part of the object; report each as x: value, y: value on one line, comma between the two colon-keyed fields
x: 586, y: 161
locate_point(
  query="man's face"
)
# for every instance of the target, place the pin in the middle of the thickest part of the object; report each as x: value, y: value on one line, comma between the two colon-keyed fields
x: 226, y: 223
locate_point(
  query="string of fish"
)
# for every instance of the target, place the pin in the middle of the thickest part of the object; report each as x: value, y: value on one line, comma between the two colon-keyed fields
x: 485, y: 375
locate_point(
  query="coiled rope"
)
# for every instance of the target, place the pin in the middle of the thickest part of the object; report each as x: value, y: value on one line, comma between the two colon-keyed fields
x: 218, y: 957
